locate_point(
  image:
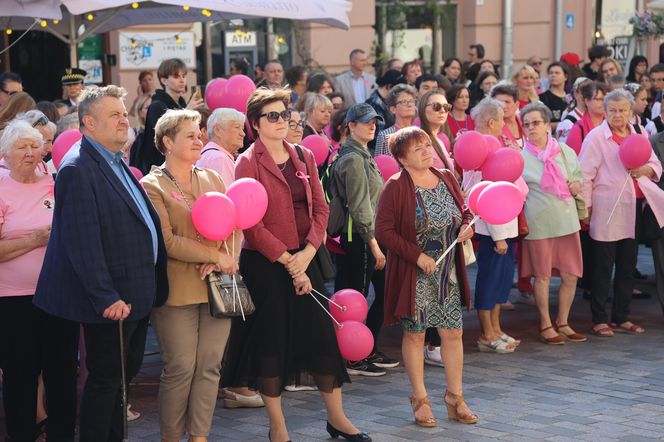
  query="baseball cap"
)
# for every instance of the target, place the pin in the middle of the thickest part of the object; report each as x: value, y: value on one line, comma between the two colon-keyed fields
x: 571, y: 58
x: 362, y: 113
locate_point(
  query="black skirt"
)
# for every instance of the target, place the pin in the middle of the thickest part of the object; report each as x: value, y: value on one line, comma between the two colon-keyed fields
x: 286, y: 338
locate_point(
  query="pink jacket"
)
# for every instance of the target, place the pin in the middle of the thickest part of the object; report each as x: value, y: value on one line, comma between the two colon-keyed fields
x: 277, y: 231
x: 603, y: 178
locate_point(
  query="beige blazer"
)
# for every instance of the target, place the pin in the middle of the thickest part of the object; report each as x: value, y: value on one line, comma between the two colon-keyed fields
x: 185, y: 250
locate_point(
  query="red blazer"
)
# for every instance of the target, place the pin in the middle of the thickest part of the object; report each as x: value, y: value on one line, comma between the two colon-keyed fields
x: 395, y: 229
x: 277, y: 231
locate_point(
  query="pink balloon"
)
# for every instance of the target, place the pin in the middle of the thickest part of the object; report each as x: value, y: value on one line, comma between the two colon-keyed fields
x: 499, y: 202
x: 237, y: 91
x: 492, y: 143
x: 355, y: 340
x: 250, y: 199
x: 137, y: 173
x: 214, y: 216
x: 635, y: 151
x: 63, y: 143
x: 505, y: 164
x: 354, y: 304
x: 318, y: 146
x: 387, y: 166
x: 474, y: 194
x: 470, y: 150
x: 214, y: 93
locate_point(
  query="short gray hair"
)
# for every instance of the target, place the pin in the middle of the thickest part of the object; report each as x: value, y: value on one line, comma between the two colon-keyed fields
x: 18, y: 130
x: 169, y: 125
x: 222, y: 115
x: 544, y: 111
x: 618, y: 95
x: 314, y: 100
x: 89, y: 97
x: 398, y: 89
x: 69, y: 121
x: 485, y: 110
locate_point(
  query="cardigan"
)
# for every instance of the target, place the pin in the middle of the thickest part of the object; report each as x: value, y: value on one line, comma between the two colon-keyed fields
x: 184, y: 249
x: 276, y: 233
x: 395, y: 229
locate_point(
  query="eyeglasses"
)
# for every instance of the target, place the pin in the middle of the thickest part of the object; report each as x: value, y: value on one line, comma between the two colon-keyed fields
x: 533, y: 124
x: 273, y: 116
x: 407, y: 102
x: 293, y: 125
x: 42, y: 121
x: 10, y: 93
x: 536, y: 63
x: 437, y: 107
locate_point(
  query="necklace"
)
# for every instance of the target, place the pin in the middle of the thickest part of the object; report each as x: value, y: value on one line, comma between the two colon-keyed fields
x: 184, y: 198
x: 283, y: 166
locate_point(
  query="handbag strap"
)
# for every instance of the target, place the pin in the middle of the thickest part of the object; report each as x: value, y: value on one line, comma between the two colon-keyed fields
x: 184, y: 198
x: 562, y: 153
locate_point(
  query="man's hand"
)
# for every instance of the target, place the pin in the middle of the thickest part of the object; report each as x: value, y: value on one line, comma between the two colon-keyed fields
x: 195, y: 103
x: 377, y: 254
x: 501, y: 247
x: 116, y: 311
x: 645, y: 171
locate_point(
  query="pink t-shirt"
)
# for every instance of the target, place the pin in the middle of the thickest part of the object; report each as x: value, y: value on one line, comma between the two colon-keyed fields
x: 23, y: 208
x: 220, y: 160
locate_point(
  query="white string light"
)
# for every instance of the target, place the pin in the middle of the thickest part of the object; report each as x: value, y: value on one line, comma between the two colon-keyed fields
x: 21, y: 36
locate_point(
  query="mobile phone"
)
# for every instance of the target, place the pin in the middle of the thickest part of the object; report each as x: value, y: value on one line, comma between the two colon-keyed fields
x: 195, y: 93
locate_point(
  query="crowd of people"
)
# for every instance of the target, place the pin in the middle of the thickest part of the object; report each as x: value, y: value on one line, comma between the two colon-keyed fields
x: 86, y: 248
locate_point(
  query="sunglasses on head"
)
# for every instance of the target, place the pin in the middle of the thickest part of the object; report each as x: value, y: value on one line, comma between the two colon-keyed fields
x: 10, y: 93
x: 42, y: 121
x: 437, y: 107
x: 273, y: 116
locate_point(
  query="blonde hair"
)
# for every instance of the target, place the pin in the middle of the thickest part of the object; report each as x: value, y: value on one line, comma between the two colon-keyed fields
x: 169, y: 125
x: 532, y: 93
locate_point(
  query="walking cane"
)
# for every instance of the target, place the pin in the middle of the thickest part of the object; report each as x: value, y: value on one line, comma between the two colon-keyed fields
x: 123, y: 385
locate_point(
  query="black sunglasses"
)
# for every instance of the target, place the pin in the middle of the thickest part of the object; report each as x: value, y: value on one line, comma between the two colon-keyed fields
x: 273, y: 116
x: 42, y: 121
x: 437, y: 107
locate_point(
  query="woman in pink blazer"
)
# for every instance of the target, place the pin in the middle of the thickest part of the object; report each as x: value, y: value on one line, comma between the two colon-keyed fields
x: 288, y: 335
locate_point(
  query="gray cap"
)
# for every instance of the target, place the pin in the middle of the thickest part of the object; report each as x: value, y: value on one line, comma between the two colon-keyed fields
x: 363, y: 113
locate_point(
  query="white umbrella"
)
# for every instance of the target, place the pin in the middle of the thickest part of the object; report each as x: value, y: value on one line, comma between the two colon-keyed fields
x: 102, y: 16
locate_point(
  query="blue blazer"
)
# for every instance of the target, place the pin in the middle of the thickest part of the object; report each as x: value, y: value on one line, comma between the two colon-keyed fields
x: 100, y: 250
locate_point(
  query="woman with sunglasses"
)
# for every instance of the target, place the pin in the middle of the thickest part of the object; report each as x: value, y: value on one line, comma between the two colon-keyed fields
x: 434, y: 111
x: 289, y: 334
x: 460, y: 121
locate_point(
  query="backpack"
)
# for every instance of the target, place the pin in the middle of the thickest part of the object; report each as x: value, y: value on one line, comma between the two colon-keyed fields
x: 571, y: 118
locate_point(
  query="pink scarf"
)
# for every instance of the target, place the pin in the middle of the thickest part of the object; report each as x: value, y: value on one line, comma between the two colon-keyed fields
x: 553, y: 181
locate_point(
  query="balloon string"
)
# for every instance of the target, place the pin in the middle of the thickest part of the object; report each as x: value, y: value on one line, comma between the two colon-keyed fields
x: 325, y: 310
x: 341, y: 307
x: 456, y: 240
x: 236, y: 290
x: 617, y: 200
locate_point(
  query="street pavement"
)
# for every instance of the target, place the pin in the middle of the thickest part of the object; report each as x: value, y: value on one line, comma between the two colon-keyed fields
x: 603, y: 390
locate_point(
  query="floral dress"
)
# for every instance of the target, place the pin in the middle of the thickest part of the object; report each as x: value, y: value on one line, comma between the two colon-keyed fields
x: 437, y: 296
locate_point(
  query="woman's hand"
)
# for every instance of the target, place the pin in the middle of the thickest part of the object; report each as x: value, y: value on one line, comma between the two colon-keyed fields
x: 574, y: 187
x: 465, y: 233
x: 501, y: 247
x: 283, y: 259
x: 377, y: 254
x: 426, y: 263
x: 586, y: 221
x: 299, y: 262
x: 206, y: 269
x: 227, y: 264
x: 645, y: 171
x: 302, y: 284
x: 39, y: 237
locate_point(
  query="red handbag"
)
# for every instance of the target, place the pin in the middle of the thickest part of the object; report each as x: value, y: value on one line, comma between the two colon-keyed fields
x: 523, y: 224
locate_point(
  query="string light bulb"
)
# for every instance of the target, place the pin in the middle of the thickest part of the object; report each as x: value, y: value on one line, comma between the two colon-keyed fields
x: 55, y: 22
x: 90, y: 17
x: 9, y: 31
x: 185, y: 7
x: 206, y: 13
x: 281, y: 40
x: 43, y: 23
x: 134, y: 5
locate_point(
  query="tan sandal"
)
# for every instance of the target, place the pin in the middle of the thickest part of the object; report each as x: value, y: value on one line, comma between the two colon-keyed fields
x: 453, y: 413
x: 416, y: 403
x: 556, y: 340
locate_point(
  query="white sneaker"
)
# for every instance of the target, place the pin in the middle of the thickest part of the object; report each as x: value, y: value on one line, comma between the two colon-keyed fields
x: 432, y: 357
x: 294, y: 387
x: 525, y: 298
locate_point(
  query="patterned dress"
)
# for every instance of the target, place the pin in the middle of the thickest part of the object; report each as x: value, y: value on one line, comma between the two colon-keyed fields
x: 437, y: 296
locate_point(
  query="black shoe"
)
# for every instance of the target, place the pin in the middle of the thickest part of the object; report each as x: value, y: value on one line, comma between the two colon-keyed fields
x: 364, y: 368
x: 380, y: 360
x: 359, y: 437
x: 641, y: 295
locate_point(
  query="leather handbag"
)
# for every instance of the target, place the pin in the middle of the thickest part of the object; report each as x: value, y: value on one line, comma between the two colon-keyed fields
x: 227, y: 299
x: 468, y: 252
x: 581, y: 206
x: 522, y: 224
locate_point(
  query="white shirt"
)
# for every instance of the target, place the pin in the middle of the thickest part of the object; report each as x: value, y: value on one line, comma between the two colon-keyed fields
x: 359, y: 87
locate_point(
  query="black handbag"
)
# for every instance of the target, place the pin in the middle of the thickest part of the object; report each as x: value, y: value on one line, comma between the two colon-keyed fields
x: 228, y: 298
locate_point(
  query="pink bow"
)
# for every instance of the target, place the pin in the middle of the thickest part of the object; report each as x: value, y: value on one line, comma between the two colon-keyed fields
x: 302, y: 176
x: 176, y: 195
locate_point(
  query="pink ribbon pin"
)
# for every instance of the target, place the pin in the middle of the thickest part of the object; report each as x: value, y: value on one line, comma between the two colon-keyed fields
x: 301, y: 175
x: 176, y: 195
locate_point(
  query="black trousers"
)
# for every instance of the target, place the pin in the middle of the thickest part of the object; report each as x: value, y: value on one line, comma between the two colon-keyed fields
x: 585, y: 282
x: 101, y: 407
x: 355, y: 270
x: 658, y: 259
x: 31, y: 342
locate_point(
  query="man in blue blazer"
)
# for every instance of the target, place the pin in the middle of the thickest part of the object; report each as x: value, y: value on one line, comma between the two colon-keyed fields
x: 105, y: 260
